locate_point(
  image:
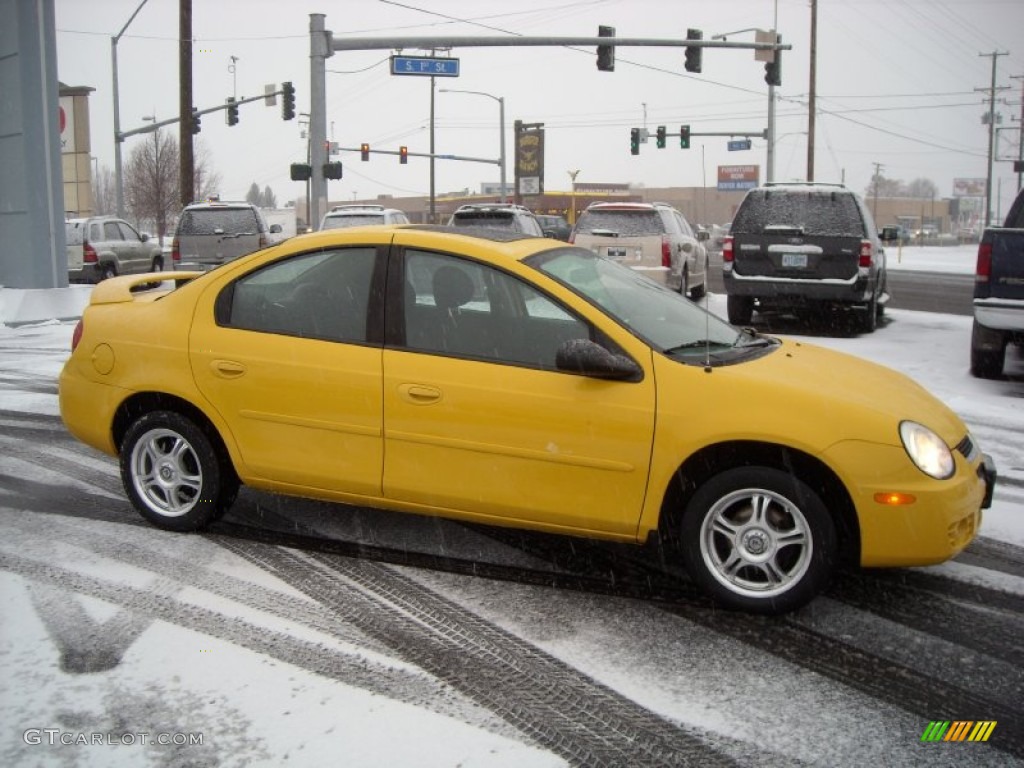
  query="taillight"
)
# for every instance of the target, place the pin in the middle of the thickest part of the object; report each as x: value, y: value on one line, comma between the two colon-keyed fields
x: 89, y: 254
x: 727, y: 254
x: 865, y: 254
x: 175, y: 250
x: 983, y: 271
x: 666, y: 252
x: 77, y: 335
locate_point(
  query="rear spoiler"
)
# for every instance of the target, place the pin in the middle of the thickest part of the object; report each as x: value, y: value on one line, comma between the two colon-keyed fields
x: 118, y: 290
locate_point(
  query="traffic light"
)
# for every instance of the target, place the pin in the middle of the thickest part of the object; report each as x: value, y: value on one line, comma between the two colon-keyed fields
x: 332, y: 170
x: 403, y: 155
x: 684, y: 136
x: 301, y: 172
x: 693, y: 52
x: 606, y: 53
x: 661, y: 137
x: 364, y: 150
x: 287, y: 101
x: 232, y: 112
x: 196, y: 127
x: 634, y: 141
x: 773, y: 69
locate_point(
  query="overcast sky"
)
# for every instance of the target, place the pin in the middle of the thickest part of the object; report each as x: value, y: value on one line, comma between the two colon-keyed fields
x: 900, y: 82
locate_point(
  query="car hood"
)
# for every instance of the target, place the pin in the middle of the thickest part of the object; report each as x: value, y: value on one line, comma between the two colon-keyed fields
x: 817, y: 397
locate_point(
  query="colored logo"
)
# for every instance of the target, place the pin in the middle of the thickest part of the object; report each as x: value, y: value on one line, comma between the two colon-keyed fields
x: 958, y: 730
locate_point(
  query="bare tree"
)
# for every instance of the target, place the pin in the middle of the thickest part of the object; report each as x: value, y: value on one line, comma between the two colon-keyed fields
x: 151, y: 181
x: 922, y: 189
x: 269, y: 198
x: 104, y: 192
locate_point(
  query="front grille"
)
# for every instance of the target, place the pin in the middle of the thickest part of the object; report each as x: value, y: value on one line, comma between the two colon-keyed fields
x: 966, y: 447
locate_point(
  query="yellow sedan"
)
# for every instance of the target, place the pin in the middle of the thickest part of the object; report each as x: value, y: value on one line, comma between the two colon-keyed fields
x: 518, y: 381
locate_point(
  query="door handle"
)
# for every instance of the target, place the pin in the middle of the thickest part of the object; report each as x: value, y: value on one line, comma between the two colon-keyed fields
x: 227, y: 369
x: 419, y: 394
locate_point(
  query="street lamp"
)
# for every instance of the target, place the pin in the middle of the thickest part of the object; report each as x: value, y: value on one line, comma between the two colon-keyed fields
x: 573, y: 175
x: 118, y: 182
x: 501, y: 127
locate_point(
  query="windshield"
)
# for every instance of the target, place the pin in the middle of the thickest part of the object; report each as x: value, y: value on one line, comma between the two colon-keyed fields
x: 666, y: 320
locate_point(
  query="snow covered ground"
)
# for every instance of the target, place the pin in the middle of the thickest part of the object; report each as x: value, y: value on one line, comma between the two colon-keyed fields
x: 177, y: 668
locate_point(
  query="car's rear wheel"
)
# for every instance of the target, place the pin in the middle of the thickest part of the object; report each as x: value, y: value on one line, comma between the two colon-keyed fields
x: 158, y: 264
x: 869, y: 315
x: 758, y: 539
x: 107, y: 270
x: 684, y: 282
x: 988, y: 351
x: 740, y: 309
x: 173, y: 473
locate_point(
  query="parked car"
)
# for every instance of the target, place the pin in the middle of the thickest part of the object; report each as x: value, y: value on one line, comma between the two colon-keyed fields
x: 804, y: 247
x: 494, y: 378
x: 555, y: 226
x: 103, y: 246
x: 361, y: 215
x: 652, y: 238
x: 213, y: 233
x: 511, y: 218
x: 999, y: 294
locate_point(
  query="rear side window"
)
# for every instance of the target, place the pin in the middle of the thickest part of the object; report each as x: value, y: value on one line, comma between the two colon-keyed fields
x: 646, y: 222
x: 816, y: 213
x: 73, y: 233
x: 219, y: 220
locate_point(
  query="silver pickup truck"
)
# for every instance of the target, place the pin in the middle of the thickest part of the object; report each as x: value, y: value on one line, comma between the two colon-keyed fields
x: 999, y: 294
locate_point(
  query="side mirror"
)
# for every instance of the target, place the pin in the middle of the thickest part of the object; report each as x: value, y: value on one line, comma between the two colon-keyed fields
x: 584, y: 357
x: 275, y: 228
x: 144, y: 237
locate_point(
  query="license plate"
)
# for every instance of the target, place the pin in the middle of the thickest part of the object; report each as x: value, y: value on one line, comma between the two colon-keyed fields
x: 797, y: 260
x: 616, y: 253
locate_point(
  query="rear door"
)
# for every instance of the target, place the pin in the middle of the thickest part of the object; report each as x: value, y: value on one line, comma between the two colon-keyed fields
x: 74, y: 235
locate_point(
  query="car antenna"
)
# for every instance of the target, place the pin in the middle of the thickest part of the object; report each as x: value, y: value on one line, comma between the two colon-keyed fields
x: 707, y: 327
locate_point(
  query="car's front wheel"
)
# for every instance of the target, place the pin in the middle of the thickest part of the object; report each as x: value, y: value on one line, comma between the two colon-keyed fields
x: 173, y: 474
x: 758, y: 539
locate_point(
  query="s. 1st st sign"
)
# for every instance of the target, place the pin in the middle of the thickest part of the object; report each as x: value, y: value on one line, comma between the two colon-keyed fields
x: 425, y: 66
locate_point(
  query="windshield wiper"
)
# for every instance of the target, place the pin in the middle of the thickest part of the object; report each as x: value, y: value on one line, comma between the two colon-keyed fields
x: 698, y: 344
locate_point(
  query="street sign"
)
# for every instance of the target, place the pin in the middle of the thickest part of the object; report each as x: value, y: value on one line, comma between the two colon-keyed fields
x: 738, y: 144
x: 425, y: 66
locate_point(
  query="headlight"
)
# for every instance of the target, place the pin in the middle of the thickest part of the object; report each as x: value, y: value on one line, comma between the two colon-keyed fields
x: 927, y: 450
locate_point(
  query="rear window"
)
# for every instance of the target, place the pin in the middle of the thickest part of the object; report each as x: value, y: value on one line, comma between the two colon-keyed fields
x: 646, y: 222
x: 212, y: 221
x: 73, y: 231
x: 491, y: 219
x: 348, y: 220
x: 814, y: 212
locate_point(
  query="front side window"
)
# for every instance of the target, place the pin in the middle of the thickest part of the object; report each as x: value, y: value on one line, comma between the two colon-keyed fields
x: 323, y: 295
x: 463, y: 308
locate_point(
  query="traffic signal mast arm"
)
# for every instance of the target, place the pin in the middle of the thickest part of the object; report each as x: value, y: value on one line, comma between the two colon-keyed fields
x: 426, y: 43
x: 410, y: 153
x: 195, y: 113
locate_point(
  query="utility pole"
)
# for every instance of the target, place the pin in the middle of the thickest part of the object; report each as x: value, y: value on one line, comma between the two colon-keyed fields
x: 1020, y: 132
x: 186, y: 172
x: 991, y: 133
x: 874, y: 192
x: 812, y: 91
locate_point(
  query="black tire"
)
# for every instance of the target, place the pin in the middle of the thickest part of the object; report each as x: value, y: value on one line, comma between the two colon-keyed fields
x: 158, y: 264
x: 758, y: 539
x: 173, y: 474
x: 107, y: 270
x: 740, y: 309
x: 684, y: 282
x: 986, y: 361
x: 869, y: 316
x: 698, y: 291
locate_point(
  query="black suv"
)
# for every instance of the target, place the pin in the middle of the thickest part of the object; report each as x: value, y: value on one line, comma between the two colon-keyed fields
x: 804, y: 246
x: 511, y: 218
